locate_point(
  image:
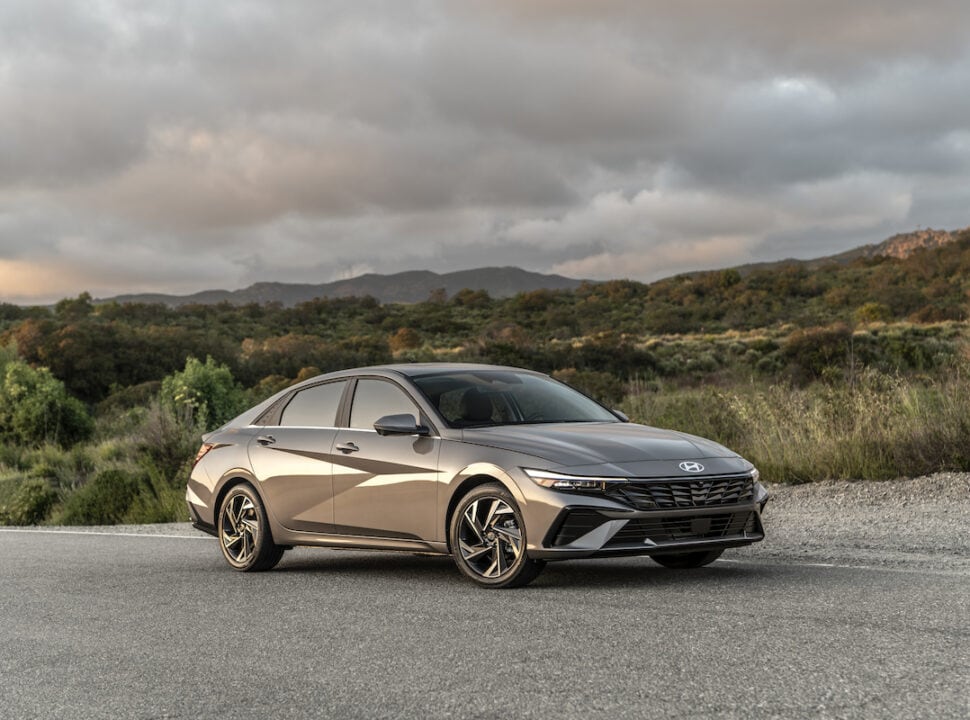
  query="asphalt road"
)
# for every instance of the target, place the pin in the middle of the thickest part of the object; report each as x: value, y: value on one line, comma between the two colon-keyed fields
x: 117, y: 626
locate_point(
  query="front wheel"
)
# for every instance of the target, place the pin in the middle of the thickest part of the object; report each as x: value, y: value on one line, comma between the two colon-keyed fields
x: 488, y: 539
x: 683, y: 561
x: 244, y: 534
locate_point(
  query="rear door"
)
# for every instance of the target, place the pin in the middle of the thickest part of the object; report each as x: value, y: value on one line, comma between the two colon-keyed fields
x: 293, y: 459
x: 384, y: 486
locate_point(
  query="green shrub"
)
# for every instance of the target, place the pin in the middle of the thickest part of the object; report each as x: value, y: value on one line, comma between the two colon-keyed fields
x: 63, y: 468
x: 206, y: 393
x: 36, y: 408
x: 104, y: 500
x: 158, y: 500
x: 166, y: 442
x: 30, y: 503
x: 812, y: 351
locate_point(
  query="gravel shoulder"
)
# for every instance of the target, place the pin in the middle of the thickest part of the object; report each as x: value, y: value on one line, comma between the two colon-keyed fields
x: 919, y: 523
x: 908, y: 523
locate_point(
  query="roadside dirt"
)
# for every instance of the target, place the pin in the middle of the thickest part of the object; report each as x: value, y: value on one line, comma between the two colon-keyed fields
x: 922, y: 522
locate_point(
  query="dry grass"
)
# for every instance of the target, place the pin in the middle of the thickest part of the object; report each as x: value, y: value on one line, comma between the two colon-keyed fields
x: 880, y: 427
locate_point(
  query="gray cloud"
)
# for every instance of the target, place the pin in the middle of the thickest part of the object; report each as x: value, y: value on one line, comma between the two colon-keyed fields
x: 183, y: 146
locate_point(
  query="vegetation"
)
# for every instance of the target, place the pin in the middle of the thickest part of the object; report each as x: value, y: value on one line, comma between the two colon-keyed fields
x: 880, y: 427
x: 857, y: 370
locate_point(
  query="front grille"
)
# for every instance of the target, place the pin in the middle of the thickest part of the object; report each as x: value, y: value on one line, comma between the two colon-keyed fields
x: 690, y: 527
x: 684, y: 493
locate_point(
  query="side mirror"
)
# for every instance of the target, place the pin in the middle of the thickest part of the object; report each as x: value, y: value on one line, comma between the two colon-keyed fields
x: 404, y: 424
x: 620, y: 414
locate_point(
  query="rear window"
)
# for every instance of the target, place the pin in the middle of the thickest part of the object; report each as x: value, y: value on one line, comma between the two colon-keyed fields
x: 315, y: 406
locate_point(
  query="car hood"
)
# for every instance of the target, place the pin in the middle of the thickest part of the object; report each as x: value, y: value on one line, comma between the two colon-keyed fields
x: 580, y: 444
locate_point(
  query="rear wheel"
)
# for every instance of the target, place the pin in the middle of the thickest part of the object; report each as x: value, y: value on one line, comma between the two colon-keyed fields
x: 682, y: 561
x: 244, y: 534
x: 488, y: 540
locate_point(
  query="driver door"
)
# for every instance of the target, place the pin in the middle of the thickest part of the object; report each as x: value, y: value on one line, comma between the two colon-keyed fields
x: 384, y: 486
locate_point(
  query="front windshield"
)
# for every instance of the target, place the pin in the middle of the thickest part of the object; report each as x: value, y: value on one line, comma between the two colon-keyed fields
x: 484, y: 398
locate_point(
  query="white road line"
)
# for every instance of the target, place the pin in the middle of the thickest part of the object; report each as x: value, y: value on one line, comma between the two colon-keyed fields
x: 111, y: 534
x: 804, y: 564
x: 778, y: 562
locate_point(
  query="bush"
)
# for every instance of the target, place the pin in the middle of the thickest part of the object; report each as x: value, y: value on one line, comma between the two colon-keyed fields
x: 36, y: 408
x: 102, y: 501
x: 157, y: 501
x: 30, y: 505
x: 62, y: 468
x: 167, y: 442
x: 811, y: 352
x: 206, y: 393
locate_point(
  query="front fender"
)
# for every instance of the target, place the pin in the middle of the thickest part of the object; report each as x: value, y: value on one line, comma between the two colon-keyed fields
x: 459, y: 481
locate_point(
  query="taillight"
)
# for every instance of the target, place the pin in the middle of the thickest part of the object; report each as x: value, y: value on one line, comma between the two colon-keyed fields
x: 203, y: 451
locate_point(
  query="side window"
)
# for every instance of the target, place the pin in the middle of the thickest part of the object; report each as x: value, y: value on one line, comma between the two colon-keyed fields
x: 314, y: 407
x: 373, y: 399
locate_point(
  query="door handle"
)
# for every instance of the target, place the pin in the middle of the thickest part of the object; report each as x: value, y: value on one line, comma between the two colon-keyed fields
x: 265, y: 440
x: 348, y: 448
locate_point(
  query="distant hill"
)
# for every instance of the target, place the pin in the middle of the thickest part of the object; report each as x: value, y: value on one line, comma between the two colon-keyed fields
x: 404, y: 287
x: 499, y: 282
x: 898, y: 246
x: 905, y: 244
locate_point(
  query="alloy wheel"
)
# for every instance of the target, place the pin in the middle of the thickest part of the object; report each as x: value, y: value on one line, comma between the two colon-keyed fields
x: 240, y: 529
x: 489, y: 537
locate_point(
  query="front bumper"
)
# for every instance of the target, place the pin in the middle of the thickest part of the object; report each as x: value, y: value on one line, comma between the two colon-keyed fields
x: 582, y: 532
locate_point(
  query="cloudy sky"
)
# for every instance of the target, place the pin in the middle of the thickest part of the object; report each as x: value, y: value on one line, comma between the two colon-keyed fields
x: 180, y: 146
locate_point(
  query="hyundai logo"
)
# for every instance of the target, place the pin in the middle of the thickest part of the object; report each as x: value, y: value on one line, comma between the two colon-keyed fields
x: 693, y: 467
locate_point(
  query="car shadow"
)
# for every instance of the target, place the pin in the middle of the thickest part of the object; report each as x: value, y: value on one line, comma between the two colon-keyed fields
x: 606, y: 573
x: 643, y: 572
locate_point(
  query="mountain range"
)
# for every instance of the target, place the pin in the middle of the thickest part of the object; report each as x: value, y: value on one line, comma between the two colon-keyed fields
x: 499, y: 282
x: 403, y: 287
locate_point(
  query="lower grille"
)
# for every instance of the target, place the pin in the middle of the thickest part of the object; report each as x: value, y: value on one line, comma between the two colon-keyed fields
x: 695, y: 527
x: 576, y: 524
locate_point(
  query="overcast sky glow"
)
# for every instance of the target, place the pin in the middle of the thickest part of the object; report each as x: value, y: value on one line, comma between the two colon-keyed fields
x: 180, y: 146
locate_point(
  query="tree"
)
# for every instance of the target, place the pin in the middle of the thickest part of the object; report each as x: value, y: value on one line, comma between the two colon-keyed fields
x: 205, y: 393
x: 35, y: 407
x: 75, y: 309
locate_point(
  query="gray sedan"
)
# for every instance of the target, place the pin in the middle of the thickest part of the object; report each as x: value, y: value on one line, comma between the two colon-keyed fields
x: 502, y: 468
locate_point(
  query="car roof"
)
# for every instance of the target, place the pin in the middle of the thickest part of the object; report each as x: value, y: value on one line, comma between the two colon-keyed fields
x: 407, y: 370
x: 419, y: 369
x: 413, y: 370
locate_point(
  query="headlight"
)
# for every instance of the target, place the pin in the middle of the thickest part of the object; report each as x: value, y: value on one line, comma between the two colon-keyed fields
x: 760, y: 492
x: 561, y: 481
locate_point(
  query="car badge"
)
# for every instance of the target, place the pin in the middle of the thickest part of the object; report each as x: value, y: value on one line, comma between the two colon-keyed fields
x: 692, y: 467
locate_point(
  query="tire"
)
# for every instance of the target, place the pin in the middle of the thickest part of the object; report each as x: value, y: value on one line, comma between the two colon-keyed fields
x: 684, y: 561
x: 244, y: 534
x: 488, y: 540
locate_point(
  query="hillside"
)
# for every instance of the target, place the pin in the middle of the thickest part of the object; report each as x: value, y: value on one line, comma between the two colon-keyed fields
x: 404, y: 287
x: 414, y: 286
x: 899, y: 246
x: 902, y: 245
x: 98, y: 348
